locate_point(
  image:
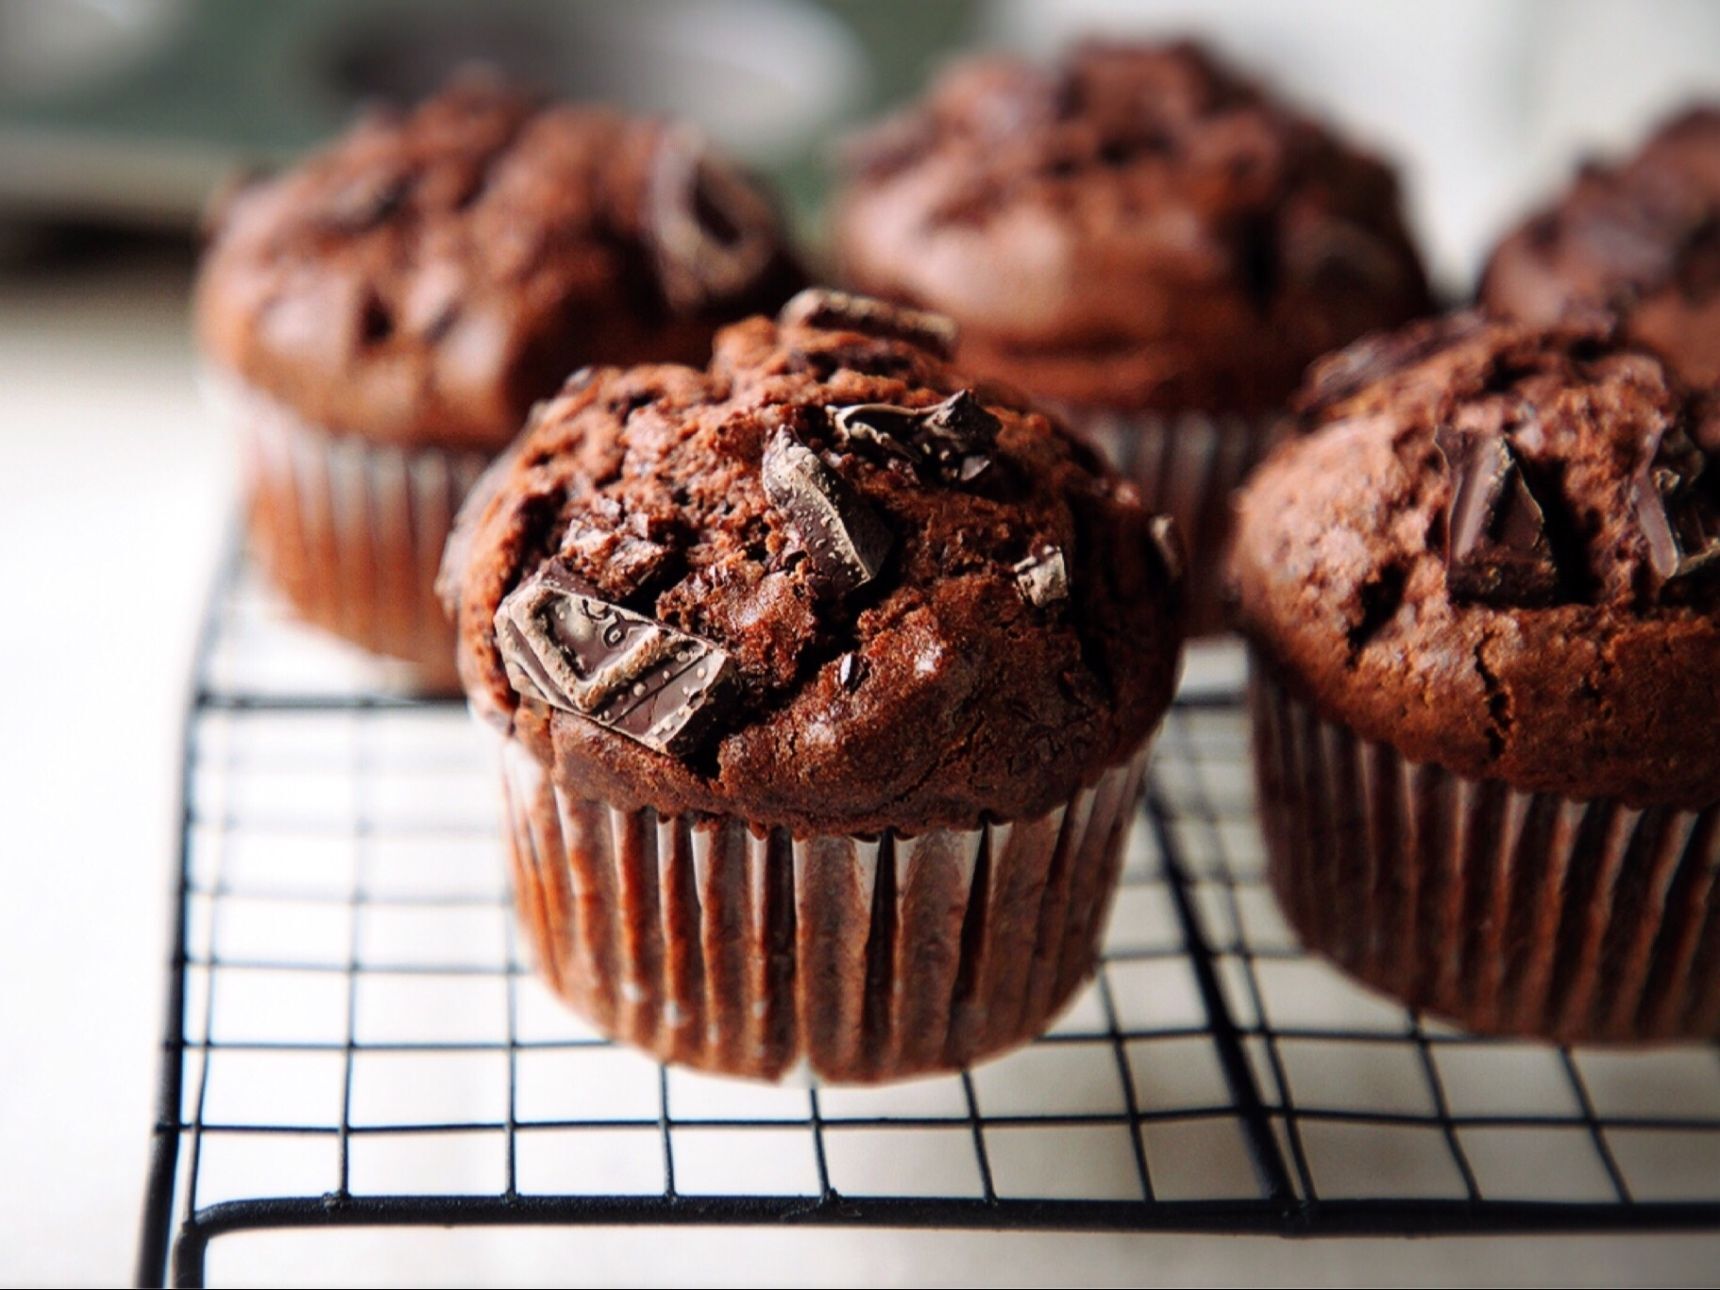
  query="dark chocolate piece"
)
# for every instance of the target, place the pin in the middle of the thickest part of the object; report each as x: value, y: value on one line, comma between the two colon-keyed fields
x: 563, y: 643
x: 953, y: 439
x: 832, y: 310
x: 1168, y: 541
x: 844, y: 538
x: 713, y: 232
x: 1680, y: 523
x: 366, y: 201
x: 850, y: 671
x: 1496, y: 545
x: 1043, y: 577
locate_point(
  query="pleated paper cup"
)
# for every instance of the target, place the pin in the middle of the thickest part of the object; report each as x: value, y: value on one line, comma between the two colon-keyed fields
x: 349, y: 530
x: 717, y: 944
x: 1187, y: 465
x: 1504, y: 911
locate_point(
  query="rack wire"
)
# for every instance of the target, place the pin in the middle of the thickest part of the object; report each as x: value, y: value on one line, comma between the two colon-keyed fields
x: 352, y: 1038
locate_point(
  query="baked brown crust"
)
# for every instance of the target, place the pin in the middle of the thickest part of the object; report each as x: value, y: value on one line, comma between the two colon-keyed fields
x: 426, y: 277
x: 944, y: 691
x: 1136, y: 227
x: 1342, y: 564
x: 1640, y: 238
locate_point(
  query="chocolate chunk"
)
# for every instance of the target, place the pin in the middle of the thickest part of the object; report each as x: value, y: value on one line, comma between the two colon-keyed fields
x: 1168, y: 541
x: 1380, y: 355
x: 844, y: 538
x: 850, y: 671
x: 841, y: 310
x: 953, y: 439
x: 1679, y: 521
x: 563, y: 643
x: 1496, y: 545
x: 364, y: 202
x: 713, y: 232
x: 1043, y: 577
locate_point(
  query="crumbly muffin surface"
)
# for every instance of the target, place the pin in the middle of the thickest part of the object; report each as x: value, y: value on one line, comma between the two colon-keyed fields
x: 1640, y: 239
x: 885, y: 597
x: 431, y: 273
x: 1498, y: 549
x: 1136, y: 227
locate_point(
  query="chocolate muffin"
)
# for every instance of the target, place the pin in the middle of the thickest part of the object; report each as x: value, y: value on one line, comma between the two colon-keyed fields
x: 378, y: 320
x: 1142, y: 237
x: 1640, y: 239
x: 824, y: 680
x: 1482, y: 597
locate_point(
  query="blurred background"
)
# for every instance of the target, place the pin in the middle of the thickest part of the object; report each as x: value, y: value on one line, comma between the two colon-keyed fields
x: 117, y: 118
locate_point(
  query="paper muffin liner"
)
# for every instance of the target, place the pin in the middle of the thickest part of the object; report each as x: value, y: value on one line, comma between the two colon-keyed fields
x: 350, y: 530
x: 1187, y: 465
x: 1507, y: 912
x: 717, y: 944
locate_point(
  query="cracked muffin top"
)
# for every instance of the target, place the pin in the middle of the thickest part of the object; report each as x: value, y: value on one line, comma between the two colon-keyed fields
x: 1497, y: 548
x: 1641, y: 239
x: 1135, y: 227
x: 430, y: 274
x: 824, y: 584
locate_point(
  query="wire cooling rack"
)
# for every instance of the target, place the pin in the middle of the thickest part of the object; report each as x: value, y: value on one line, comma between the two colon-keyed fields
x: 352, y: 1038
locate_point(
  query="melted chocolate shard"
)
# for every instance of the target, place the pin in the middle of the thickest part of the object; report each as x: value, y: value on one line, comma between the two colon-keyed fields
x: 830, y: 310
x: 953, y: 439
x: 713, y: 232
x: 845, y: 540
x: 1496, y: 545
x: 1043, y: 577
x: 563, y: 643
x: 1680, y: 524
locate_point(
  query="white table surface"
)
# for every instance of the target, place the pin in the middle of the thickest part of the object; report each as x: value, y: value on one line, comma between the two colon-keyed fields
x: 113, y: 493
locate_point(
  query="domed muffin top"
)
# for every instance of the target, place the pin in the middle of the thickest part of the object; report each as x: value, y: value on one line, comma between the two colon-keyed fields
x: 1498, y: 549
x: 1641, y: 239
x: 431, y: 273
x: 824, y: 584
x: 1134, y: 227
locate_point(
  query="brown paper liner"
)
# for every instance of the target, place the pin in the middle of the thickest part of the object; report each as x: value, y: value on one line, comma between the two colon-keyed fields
x: 751, y: 952
x: 351, y: 531
x: 1187, y: 465
x: 1507, y: 912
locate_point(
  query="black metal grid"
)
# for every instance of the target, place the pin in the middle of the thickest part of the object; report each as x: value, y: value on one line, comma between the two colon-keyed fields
x: 352, y: 1039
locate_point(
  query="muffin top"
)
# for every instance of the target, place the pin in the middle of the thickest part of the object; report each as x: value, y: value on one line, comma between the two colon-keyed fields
x: 1641, y: 239
x: 1498, y: 549
x: 430, y: 274
x: 822, y: 584
x: 1136, y: 227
